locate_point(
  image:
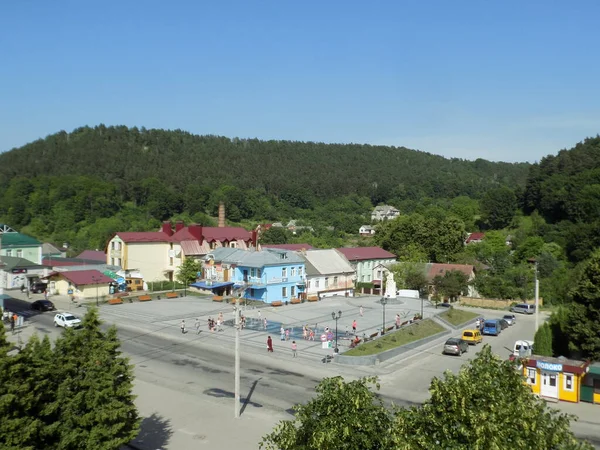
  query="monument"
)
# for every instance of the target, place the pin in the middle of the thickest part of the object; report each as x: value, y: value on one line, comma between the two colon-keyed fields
x: 390, y: 286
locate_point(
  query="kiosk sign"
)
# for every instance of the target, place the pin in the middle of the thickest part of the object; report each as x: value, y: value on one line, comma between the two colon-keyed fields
x: 551, y: 367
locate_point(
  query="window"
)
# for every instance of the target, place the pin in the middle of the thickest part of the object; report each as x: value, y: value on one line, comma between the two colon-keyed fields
x: 293, y: 291
x: 364, y: 278
x: 317, y: 284
x: 368, y: 278
x: 170, y: 261
x: 284, y: 291
x: 233, y: 244
x: 531, y: 376
x: 8, y: 252
x: 252, y: 272
x: 335, y: 281
x: 568, y: 382
x: 293, y: 272
x: 258, y: 274
x: 308, y: 284
x: 300, y: 271
x: 119, y: 245
x: 19, y: 253
x: 113, y: 245
x: 326, y: 282
x: 284, y: 272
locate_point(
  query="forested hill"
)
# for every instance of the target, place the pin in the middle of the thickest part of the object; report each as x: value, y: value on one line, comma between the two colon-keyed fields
x: 283, y: 169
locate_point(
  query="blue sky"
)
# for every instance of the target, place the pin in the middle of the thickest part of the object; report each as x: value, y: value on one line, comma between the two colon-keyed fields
x: 509, y: 81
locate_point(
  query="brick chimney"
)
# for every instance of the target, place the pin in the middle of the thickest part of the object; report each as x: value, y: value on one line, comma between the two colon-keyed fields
x: 196, y: 231
x: 178, y: 225
x: 255, y: 239
x: 166, y: 228
x: 221, y: 215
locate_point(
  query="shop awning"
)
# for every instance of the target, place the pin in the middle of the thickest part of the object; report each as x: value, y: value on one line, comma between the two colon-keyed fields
x: 211, y: 285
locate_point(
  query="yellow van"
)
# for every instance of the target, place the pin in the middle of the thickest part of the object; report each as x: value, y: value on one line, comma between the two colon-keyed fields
x: 473, y: 337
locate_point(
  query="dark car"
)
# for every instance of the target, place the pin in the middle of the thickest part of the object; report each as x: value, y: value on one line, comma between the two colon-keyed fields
x: 43, y: 305
x: 503, y: 324
x: 38, y: 287
x: 455, y: 346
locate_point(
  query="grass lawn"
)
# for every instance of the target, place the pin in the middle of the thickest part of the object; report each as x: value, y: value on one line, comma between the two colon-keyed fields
x: 395, y: 339
x: 458, y: 316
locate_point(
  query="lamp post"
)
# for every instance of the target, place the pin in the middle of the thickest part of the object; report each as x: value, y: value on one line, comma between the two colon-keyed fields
x: 96, y: 280
x: 383, y: 302
x: 336, y: 317
x: 536, y: 292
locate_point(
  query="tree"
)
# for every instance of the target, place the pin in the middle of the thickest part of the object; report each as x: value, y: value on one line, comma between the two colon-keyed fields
x: 498, y: 207
x: 188, y: 271
x: 274, y: 235
x: 583, y: 326
x: 543, y: 340
x: 471, y: 409
x: 452, y: 285
x: 344, y: 415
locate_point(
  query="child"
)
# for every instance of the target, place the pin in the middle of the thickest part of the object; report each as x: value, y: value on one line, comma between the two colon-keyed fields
x: 294, y: 349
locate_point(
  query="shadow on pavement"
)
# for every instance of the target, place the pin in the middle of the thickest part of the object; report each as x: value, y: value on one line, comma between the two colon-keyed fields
x: 155, y: 432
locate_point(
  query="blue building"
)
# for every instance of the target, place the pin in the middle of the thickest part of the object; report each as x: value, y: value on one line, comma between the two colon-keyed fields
x: 268, y: 275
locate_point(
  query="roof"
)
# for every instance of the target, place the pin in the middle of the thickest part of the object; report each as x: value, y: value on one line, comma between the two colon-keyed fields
x: 83, y: 277
x: 185, y: 234
x: 568, y: 365
x: 258, y: 259
x: 93, y: 255
x: 475, y: 237
x: 213, y: 285
x: 14, y: 239
x: 384, y: 208
x: 226, y: 234
x: 49, y: 249
x: 435, y: 269
x: 143, y: 236
x: 365, y: 253
x: 192, y: 247
x: 56, y: 261
x: 595, y: 368
x: 14, y: 262
x: 292, y: 247
x: 328, y: 261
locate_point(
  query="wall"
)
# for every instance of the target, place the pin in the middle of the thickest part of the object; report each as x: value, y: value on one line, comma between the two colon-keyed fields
x: 151, y: 258
x: 563, y: 394
x: 493, y: 303
x: 365, y: 268
x: 344, y: 280
x: 62, y: 286
x: 273, y: 276
x: 33, y: 254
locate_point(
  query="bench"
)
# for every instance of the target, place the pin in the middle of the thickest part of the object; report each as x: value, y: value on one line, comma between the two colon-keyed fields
x: 115, y: 301
x: 354, y: 343
x: 218, y: 298
x: 404, y: 323
x: 144, y: 298
x: 277, y: 304
x: 389, y: 328
x: 295, y: 301
x: 374, y: 335
x: 313, y: 299
x: 172, y: 295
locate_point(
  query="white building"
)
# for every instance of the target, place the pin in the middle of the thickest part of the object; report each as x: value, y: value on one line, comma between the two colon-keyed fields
x: 384, y: 212
x: 328, y: 273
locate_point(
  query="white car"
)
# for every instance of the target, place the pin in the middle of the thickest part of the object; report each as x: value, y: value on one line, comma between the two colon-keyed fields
x: 66, y: 320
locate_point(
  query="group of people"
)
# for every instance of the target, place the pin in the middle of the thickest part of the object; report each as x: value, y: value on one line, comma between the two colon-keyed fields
x: 294, y: 346
x: 10, y: 318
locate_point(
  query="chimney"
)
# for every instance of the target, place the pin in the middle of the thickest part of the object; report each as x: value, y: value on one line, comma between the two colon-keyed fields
x: 178, y: 225
x: 166, y: 228
x: 255, y: 239
x: 221, y: 215
x: 196, y: 231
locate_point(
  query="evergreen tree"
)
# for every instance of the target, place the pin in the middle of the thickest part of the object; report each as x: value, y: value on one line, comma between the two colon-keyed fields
x: 542, y: 342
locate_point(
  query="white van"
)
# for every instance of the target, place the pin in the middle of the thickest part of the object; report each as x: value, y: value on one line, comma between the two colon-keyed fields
x: 523, y: 348
x: 523, y: 308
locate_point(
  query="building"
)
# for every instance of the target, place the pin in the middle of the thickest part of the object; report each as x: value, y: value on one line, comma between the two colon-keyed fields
x: 17, y: 272
x: 436, y: 269
x: 92, y: 255
x: 366, y: 230
x: 82, y: 284
x: 474, y: 238
x: 158, y: 254
x: 555, y: 378
x: 328, y: 273
x: 267, y: 275
x: 291, y: 247
x: 364, y: 261
x: 19, y: 245
x: 384, y: 212
x: 590, y: 386
x: 295, y: 229
x: 51, y: 251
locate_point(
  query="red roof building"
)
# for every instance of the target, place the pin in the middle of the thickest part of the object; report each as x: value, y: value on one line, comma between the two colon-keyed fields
x: 369, y: 262
x: 365, y: 253
x: 81, y: 284
x: 92, y: 255
x: 474, y: 238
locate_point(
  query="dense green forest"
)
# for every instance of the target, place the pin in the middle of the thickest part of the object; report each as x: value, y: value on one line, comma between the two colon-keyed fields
x: 80, y: 187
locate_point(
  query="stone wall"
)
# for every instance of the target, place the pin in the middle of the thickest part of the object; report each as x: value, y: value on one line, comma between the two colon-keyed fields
x: 493, y: 302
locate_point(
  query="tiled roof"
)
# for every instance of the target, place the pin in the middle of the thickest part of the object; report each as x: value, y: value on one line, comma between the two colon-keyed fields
x: 436, y: 269
x: 258, y: 259
x: 475, y: 237
x: 328, y: 261
x: 56, y: 261
x: 83, y: 277
x: 192, y: 247
x: 226, y: 234
x: 14, y: 262
x: 93, y: 255
x: 143, y: 236
x: 365, y: 253
x: 292, y: 247
x: 209, y: 234
x: 18, y: 240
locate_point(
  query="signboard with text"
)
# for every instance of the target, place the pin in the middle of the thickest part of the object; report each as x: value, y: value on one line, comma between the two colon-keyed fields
x: 551, y: 367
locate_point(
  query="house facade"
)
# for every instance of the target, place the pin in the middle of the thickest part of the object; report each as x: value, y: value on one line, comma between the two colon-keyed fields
x: 267, y: 275
x: 16, y: 272
x: 435, y: 269
x: 384, y: 212
x: 158, y: 254
x: 365, y: 259
x: 19, y: 245
x: 366, y: 230
x: 81, y: 284
x: 328, y: 274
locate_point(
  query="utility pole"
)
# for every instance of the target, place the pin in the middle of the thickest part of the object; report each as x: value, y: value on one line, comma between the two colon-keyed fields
x: 237, y: 360
x: 537, y: 298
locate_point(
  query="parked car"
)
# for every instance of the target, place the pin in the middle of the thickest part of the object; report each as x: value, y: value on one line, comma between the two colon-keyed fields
x: 66, y: 320
x: 38, y: 287
x: 43, y: 305
x: 510, y: 318
x: 523, y: 308
x: 492, y: 327
x: 523, y: 348
x: 455, y: 346
x: 472, y: 337
x: 503, y: 324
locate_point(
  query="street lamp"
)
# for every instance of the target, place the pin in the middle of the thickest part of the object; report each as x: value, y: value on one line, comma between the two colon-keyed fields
x: 336, y: 318
x: 96, y: 280
x: 383, y: 302
x: 537, y: 291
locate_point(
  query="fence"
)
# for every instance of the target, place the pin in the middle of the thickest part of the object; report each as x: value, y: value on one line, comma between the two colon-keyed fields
x: 493, y: 302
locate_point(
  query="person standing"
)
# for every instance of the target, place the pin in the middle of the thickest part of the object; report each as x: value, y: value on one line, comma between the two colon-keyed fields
x: 12, y: 324
x: 182, y: 326
x: 354, y: 326
x: 282, y: 332
x: 259, y: 315
x: 45, y: 294
x: 397, y: 321
x: 361, y: 311
x: 265, y: 323
x: 311, y: 336
x: 269, y: 345
x: 287, y: 334
x: 294, y: 349
x: 197, y: 325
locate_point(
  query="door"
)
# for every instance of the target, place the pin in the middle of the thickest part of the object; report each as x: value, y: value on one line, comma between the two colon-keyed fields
x: 245, y: 275
x: 226, y: 275
x: 549, y: 385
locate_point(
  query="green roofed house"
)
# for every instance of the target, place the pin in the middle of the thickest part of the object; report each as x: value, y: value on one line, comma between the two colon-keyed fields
x: 16, y: 272
x: 19, y: 245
